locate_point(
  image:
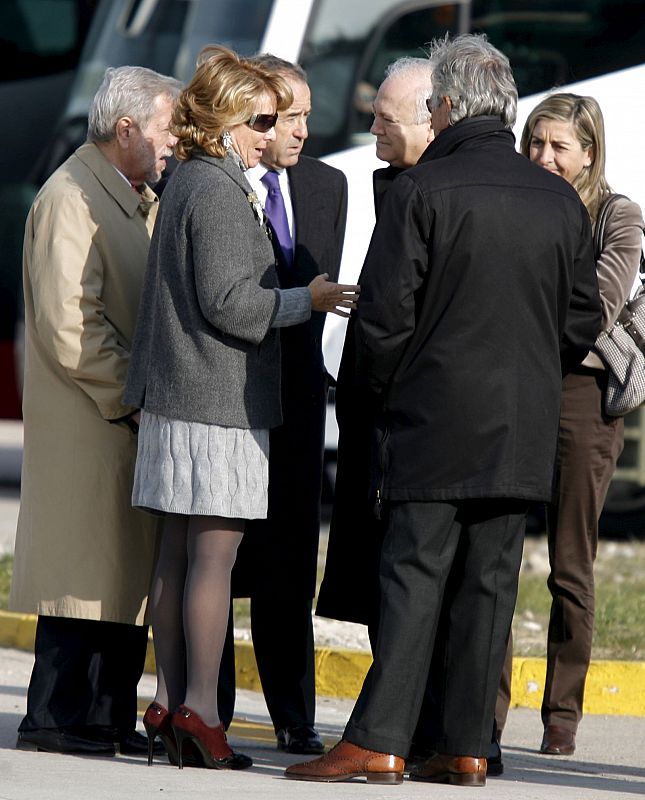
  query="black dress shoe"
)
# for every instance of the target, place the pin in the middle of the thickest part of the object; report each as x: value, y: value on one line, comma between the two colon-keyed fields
x: 418, y: 754
x: 53, y: 740
x: 302, y: 739
x: 136, y: 744
x: 130, y: 743
x: 494, y: 764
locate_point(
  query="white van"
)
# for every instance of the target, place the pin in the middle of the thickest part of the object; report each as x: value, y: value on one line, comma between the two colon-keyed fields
x: 591, y: 46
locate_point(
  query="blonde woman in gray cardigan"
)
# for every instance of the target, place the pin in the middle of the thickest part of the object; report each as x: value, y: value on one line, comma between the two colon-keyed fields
x: 565, y: 134
x: 205, y: 371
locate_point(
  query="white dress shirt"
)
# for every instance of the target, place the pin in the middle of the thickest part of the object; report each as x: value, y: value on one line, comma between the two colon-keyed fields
x: 254, y: 176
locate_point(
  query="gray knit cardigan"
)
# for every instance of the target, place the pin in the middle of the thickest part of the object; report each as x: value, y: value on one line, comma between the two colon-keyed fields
x: 204, y: 349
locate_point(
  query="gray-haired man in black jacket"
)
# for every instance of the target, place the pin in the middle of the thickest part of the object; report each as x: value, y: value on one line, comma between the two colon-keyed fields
x: 478, y: 285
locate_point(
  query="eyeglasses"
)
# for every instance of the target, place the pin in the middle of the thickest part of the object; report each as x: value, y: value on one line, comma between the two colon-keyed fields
x: 262, y: 122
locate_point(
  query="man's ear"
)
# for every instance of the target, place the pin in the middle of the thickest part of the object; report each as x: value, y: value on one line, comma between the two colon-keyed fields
x: 123, y: 129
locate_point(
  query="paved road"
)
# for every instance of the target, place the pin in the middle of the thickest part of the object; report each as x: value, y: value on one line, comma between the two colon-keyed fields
x: 609, y: 764
x: 10, y: 452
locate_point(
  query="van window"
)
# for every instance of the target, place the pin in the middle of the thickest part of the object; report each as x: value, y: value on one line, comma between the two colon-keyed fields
x: 553, y: 42
x: 548, y: 42
x: 347, y: 49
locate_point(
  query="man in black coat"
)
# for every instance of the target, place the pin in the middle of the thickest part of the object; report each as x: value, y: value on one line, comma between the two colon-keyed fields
x: 277, y: 561
x: 478, y: 284
x: 349, y: 589
x: 350, y: 585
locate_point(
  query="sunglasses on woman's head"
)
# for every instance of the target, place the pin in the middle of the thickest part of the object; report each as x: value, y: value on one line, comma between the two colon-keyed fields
x: 263, y: 122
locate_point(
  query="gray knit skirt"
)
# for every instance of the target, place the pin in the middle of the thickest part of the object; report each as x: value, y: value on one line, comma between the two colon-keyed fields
x: 193, y: 468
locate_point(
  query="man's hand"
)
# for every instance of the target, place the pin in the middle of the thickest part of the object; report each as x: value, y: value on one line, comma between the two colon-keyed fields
x: 338, y: 298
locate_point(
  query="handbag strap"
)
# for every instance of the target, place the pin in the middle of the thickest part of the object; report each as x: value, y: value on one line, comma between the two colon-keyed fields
x: 627, y: 318
x: 599, y: 232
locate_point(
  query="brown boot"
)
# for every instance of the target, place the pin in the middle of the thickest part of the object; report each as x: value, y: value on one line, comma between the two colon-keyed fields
x: 558, y: 741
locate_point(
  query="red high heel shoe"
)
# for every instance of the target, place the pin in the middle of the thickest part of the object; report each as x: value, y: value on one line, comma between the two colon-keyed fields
x: 156, y: 721
x: 210, y: 742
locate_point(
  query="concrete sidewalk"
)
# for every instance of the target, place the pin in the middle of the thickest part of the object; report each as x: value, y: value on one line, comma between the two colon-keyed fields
x: 609, y: 762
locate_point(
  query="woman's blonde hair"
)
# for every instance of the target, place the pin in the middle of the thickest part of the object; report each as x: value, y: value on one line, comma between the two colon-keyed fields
x: 589, y: 128
x: 223, y: 92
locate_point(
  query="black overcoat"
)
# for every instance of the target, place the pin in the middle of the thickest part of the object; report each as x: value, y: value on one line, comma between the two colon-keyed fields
x: 479, y: 279
x: 350, y: 589
x: 282, y: 550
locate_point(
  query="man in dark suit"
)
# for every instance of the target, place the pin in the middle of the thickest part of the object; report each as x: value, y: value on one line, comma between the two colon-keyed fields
x: 277, y: 561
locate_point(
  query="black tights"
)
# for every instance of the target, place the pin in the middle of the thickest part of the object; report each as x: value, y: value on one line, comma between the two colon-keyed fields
x: 190, y: 602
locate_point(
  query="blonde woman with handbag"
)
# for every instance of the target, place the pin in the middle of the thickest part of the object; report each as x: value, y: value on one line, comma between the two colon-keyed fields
x: 565, y: 135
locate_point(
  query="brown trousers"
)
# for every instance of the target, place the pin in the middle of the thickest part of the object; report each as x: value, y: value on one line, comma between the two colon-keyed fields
x: 589, y: 445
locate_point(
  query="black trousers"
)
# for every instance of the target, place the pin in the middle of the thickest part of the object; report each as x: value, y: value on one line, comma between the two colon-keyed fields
x: 478, y: 545
x: 85, y: 675
x: 284, y: 650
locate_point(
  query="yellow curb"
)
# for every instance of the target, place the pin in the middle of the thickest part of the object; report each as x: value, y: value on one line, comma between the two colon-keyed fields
x: 613, y: 687
x: 340, y: 673
x: 17, y: 630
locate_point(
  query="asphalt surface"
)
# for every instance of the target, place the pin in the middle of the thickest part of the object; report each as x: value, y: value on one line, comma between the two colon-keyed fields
x: 609, y: 762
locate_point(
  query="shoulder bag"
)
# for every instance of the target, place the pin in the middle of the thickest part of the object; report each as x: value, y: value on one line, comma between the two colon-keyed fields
x: 622, y: 347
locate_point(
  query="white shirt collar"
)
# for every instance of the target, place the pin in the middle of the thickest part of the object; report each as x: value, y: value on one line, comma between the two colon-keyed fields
x: 254, y: 176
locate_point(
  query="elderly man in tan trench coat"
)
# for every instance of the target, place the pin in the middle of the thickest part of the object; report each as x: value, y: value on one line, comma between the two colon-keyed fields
x: 84, y: 558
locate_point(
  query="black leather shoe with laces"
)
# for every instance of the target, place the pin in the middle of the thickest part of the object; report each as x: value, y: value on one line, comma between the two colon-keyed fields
x: 302, y: 739
x: 54, y: 740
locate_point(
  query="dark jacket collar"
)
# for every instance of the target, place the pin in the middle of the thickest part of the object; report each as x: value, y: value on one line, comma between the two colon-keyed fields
x: 381, y: 181
x: 472, y: 131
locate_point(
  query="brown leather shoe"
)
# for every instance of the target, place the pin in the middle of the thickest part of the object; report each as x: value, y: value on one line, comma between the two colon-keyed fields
x: 558, y: 741
x: 346, y: 761
x: 456, y: 770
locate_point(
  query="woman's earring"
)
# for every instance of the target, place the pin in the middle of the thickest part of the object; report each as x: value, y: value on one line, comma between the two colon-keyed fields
x: 227, y: 140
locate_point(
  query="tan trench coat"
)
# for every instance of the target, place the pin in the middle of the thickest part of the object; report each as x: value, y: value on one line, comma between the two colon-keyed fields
x: 81, y: 550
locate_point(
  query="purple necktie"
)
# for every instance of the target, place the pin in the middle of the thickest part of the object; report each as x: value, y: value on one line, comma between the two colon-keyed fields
x: 277, y: 214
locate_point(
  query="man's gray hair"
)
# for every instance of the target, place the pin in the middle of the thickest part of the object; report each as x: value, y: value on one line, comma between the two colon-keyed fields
x: 127, y: 92
x: 476, y: 77
x: 420, y: 70
x: 281, y: 66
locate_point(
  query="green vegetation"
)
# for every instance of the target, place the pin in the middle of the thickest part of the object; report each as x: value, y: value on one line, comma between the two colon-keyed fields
x: 6, y: 568
x: 242, y: 612
x: 620, y: 600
